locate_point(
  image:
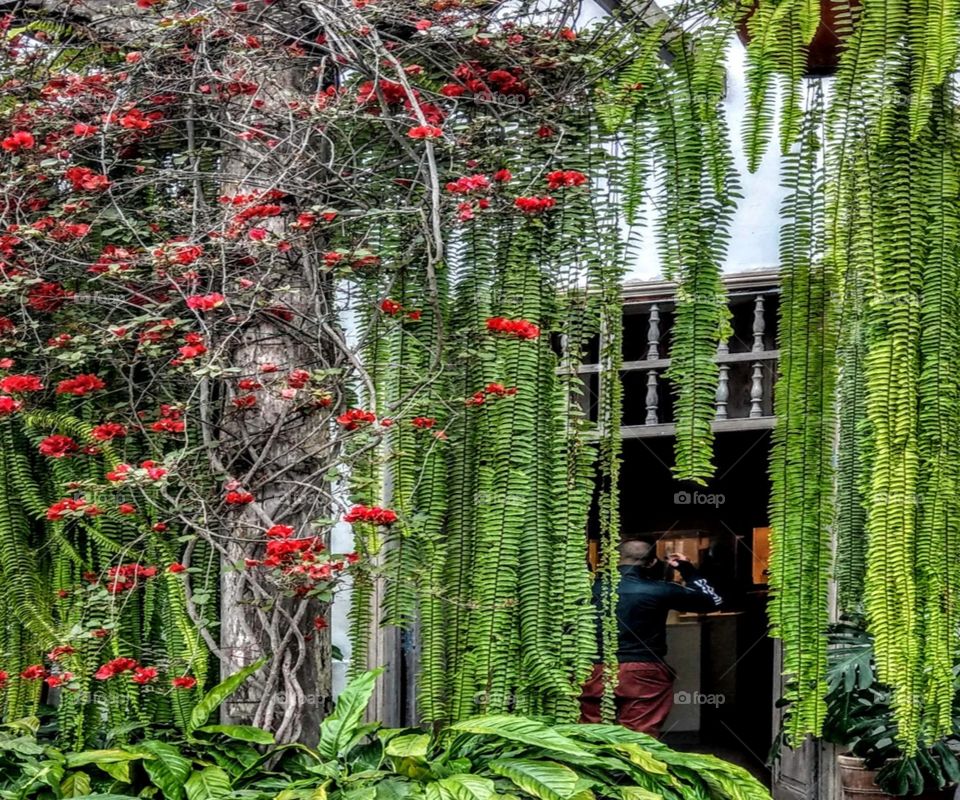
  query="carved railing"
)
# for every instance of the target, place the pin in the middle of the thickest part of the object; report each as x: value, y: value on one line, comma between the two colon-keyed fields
x: 747, y: 360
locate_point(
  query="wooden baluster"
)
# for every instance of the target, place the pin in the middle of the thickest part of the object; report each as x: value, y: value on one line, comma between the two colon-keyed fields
x: 759, y: 324
x: 653, y: 333
x: 756, y: 391
x: 723, y: 391
x: 653, y: 398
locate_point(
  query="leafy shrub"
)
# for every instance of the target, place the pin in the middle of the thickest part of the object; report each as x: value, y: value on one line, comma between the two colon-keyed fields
x: 482, y: 758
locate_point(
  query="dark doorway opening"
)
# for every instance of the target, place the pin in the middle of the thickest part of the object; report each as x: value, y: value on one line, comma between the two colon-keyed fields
x: 724, y: 694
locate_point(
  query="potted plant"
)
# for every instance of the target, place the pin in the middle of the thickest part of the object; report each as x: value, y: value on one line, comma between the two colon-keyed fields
x: 859, y: 719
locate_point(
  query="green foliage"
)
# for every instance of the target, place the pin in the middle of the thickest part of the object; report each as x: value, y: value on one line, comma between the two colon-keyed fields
x: 477, y: 759
x: 801, y: 462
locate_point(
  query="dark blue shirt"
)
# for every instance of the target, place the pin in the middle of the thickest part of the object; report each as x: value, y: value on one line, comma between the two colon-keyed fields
x: 643, y: 602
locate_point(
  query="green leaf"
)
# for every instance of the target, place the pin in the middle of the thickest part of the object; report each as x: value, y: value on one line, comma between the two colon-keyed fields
x: 414, y: 745
x: 243, y: 733
x: 211, y: 701
x: 546, y: 780
x: 467, y: 787
x: 520, y: 729
x: 76, y: 784
x: 641, y: 757
x: 338, y: 729
x: 168, y: 769
x: 118, y: 770
x: 100, y: 757
x: 209, y: 783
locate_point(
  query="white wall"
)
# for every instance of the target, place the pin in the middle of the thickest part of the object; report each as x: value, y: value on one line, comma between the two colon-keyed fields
x: 754, y: 231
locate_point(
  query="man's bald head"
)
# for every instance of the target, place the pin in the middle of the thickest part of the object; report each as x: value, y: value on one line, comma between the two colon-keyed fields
x: 635, y: 552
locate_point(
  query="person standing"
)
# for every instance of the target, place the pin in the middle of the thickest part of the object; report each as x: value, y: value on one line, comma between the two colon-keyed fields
x: 644, y: 693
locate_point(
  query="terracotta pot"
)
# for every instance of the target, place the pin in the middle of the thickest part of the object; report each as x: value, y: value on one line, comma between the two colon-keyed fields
x: 859, y: 783
x: 823, y: 55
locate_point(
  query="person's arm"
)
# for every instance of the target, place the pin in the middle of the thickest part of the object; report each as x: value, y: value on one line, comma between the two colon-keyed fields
x: 697, y: 594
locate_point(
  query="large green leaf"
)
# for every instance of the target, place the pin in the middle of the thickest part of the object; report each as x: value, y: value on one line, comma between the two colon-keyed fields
x: 641, y: 757
x: 466, y: 787
x: 413, y: 745
x: 99, y: 757
x: 211, y: 701
x: 243, y: 733
x: 76, y: 784
x: 209, y: 783
x: 546, y: 780
x: 338, y: 729
x: 523, y: 730
x: 168, y: 769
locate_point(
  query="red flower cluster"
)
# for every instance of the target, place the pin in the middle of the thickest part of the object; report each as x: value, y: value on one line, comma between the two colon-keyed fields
x: 106, y: 431
x: 517, y: 328
x: 205, y: 302
x: 70, y: 507
x: 47, y: 297
x: 424, y: 423
x: 34, y: 672
x: 479, y: 81
x: 21, y: 384
x: 184, y: 682
x: 84, y: 179
x: 58, y: 446
x: 561, y: 178
x: 115, y: 667
x: 394, y: 309
x: 297, y: 561
x: 469, y: 183
x: 425, y: 132
x: 355, y: 417
x: 17, y: 141
x: 127, y: 577
x: 534, y: 205
x: 170, y: 420
x: 372, y: 514
x: 9, y: 405
x: 237, y: 497
x: 80, y: 385
x: 489, y: 391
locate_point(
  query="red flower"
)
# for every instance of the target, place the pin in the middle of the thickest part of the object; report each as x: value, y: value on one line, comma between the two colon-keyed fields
x: 469, y: 183
x: 54, y: 681
x: 82, y: 129
x: 244, y: 401
x: 176, y: 568
x: 144, y: 675
x: 4, y: 677
x: 73, y: 508
x: 355, y: 417
x: 107, y: 431
x: 205, y: 302
x: 502, y: 176
x: 47, y: 297
x: 390, y: 307
x: 423, y: 422
x: 57, y: 446
x: 280, y: 531
x: 517, y: 328
x: 298, y: 378
x: 115, y: 667
x: 184, y: 682
x: 237, y: 498
x: 80, y: 385
x: 374, y: 515
x: 560, y: 178
x: 534, y: 205
x: 127, y: 508
x: 20, y: 384
x: 127, y: 577
x: 17, y: 141
x: 9, y: 405
x: 85, y: 179
x: 425, y: 132
x: 59, y: 651
x: 34, y: 672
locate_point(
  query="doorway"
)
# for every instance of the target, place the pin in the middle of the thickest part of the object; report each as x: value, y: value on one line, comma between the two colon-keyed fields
x: 724, y: 694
